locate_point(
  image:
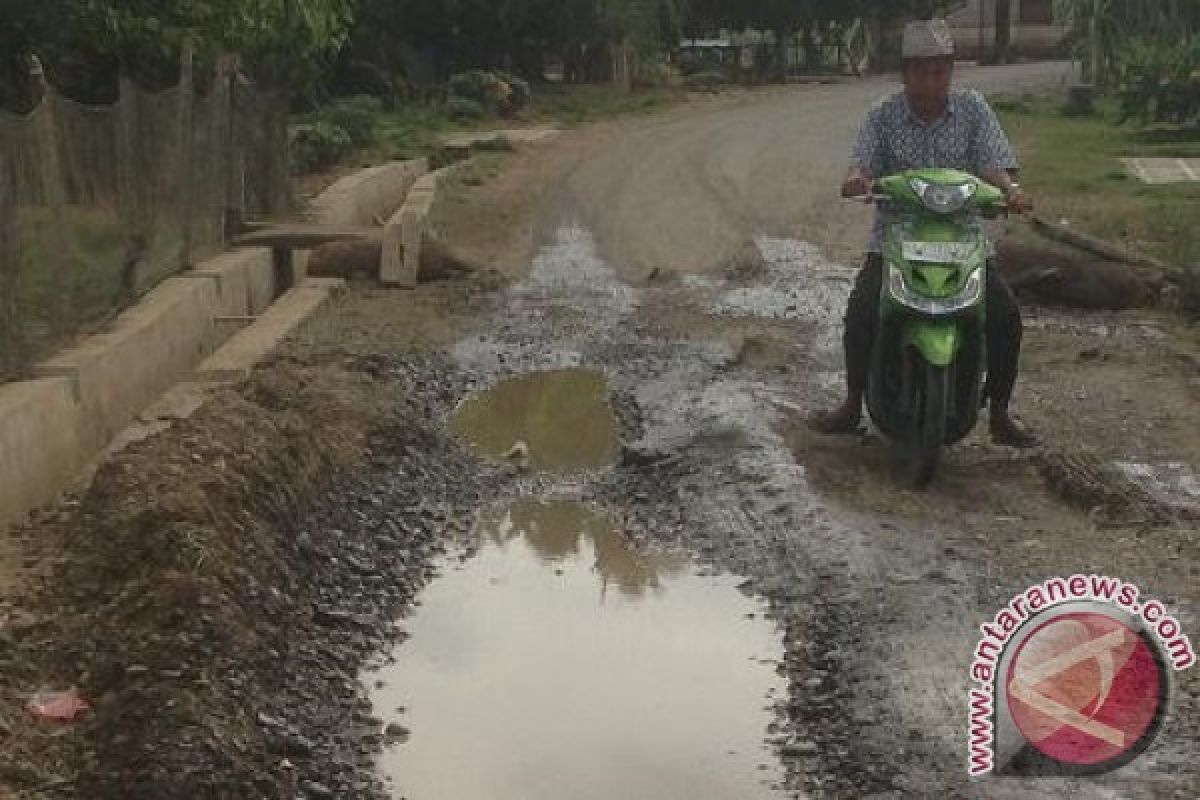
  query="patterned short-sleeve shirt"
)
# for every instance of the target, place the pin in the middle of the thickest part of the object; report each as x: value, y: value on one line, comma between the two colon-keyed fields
x: 967, y: 137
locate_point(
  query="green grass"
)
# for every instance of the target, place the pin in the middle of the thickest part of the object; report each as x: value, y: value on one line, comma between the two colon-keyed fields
x: 415, y: 130
x: 481, y: 169
x: 1071, y: 167
x: 572, y: 105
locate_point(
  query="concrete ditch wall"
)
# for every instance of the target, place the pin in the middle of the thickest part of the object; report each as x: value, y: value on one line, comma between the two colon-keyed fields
x: 368, y: 197
x: 53, y: 427
x: 364, y: 199
x: 407, y: 232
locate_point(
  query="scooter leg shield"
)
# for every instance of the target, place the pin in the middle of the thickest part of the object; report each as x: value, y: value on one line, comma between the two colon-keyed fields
x: 937, y: 342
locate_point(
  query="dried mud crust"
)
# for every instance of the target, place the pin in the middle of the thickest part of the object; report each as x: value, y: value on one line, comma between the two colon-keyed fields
x: 1094, y: 486
x: 219, y: 587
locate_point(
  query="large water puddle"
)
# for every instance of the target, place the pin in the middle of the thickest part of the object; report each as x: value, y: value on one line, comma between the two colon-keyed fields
x: 557, y: 420
x: 560, y: 663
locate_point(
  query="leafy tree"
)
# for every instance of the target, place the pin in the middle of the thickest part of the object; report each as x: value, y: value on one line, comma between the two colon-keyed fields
x: 1100, y: 29
x: 285, y: 41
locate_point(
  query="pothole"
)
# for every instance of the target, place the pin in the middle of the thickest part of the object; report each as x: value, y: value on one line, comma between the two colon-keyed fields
x: 552, y: 421
x: 560, y: 662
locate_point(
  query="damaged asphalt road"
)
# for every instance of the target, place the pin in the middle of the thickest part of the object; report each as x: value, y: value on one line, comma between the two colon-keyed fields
x: 224, y: 616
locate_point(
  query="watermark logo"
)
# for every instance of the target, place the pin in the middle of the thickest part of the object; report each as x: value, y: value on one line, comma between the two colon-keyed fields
x: 1072, y: 677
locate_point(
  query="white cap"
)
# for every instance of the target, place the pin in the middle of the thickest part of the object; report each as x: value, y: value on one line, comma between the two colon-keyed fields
x: 928, y: 39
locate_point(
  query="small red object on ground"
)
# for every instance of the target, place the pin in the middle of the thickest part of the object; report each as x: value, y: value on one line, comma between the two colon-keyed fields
x: 58, y: 706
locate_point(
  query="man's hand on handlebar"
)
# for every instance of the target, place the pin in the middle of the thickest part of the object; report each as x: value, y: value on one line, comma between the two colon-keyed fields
x: 1018, y: 202
x: 857, y: 184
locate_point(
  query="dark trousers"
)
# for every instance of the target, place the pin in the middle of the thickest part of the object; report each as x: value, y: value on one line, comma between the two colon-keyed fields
x: 1004, y: 331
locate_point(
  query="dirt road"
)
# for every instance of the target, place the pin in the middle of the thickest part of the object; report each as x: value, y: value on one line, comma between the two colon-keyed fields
x: 696, y: 265
x: 721, y: 229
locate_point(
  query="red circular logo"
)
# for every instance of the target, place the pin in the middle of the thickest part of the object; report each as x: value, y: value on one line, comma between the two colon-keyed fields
x: 1086, y: 690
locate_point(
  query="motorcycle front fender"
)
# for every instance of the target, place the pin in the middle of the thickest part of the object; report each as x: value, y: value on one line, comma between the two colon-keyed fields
x: 936, y: 341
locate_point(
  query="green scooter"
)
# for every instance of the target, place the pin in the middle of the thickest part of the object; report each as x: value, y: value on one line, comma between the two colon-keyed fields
x: 925, y: 386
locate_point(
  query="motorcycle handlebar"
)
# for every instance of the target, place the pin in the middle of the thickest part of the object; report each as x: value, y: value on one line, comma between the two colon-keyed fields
x: 877, y: 197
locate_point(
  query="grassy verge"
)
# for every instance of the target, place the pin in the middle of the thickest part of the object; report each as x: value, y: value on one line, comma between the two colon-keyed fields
x: 416, y: 130
x: 570, y: 105
x: 1072, y: 168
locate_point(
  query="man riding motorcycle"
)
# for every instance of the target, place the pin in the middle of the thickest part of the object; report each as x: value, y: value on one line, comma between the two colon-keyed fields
x: 928, y: 124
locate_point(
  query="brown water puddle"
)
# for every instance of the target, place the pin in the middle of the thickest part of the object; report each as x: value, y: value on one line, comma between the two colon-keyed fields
x: 559, y: 663
x: 561, y: 419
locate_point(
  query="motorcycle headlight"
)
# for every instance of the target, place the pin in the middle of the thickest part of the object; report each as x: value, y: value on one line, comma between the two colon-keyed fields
x: 943, y: 198
x: 904, y: 294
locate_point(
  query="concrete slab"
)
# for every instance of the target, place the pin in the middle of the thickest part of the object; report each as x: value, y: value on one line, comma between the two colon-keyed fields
x: 1163, y: 170
x: 237, y: 357
x: 40, y: 444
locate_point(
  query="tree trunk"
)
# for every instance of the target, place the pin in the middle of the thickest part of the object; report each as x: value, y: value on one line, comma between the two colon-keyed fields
x: 810, y: 48
x: 873, y: 33
x: 1094, y: 66
x: 1003, y: 31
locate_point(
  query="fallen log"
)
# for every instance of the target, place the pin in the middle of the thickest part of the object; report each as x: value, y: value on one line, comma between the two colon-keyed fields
x: 1060, y: 274
x: 1099, y: 247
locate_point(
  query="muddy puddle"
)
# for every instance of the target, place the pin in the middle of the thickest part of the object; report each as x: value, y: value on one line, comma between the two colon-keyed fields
x: 555, y: 420
x: 557, y: 662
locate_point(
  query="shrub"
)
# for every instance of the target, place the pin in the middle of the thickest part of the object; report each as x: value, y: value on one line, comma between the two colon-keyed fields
x: 658, y: 76
x: 1008, y: 102
x: 705, y: 80
x: 464, y: 108
x: 494, y: 92
x: 477, y: 85
x: 317, y: 145
x: 446, y: 156
x: 500, y: 144
x: 358, y: 116
x: 1161, y: 82
x: 520, y: 94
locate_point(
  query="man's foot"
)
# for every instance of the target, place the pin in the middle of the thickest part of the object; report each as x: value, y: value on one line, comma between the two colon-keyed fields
x: 1006, y: 432
x: 843, y: 419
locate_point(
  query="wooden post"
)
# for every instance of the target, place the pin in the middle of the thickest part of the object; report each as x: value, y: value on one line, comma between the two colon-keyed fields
x: 55, y: 189
x: 10, y: 330
x: 186, y: 153
x: 231, y: 152
x: 1003, y: 31
x: 1092, y: 73
x: 134, y: 201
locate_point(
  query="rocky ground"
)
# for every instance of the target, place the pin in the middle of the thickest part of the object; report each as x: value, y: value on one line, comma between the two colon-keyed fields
x: 217, y: 588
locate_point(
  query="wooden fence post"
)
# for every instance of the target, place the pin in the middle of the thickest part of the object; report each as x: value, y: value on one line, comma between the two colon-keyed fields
x: 10, y: 355
x: 55, y: 191
x: 134, y: 201
x: 186, y: 143
x: 232, y: 177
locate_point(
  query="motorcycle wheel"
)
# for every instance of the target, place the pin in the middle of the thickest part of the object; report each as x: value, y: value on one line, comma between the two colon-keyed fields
x: 930, y: 436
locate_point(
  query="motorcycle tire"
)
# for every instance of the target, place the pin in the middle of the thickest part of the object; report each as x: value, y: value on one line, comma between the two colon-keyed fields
x: 929, y: 439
